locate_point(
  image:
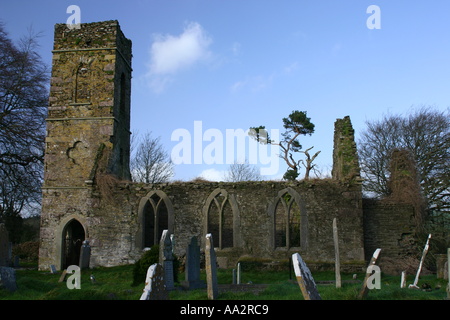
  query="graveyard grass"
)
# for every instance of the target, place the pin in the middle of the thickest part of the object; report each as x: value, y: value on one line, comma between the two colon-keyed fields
x: 116, y: 283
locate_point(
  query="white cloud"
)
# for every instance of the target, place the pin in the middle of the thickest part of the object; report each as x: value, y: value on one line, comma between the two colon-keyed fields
x: 169, y: 54
x: 254, y: 84
x: 213, y: 175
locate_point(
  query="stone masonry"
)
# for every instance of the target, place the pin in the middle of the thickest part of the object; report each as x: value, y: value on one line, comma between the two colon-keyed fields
x: 88, y: 195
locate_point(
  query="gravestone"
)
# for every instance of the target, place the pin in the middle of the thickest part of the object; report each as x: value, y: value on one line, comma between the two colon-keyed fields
x: 155, y: 288
x: 403, y: 280
x: 419, y: 269
x: 192, y: 267
x: 365, y: 288
x: 239, y: 273
x: 8, y: 279
x: 85, y: 255
x: 305, y: 279
x: 4, y: 247
x: 53, y: 269
x: 336, y: 254
x: 166, y: 259
x: 211, y: 268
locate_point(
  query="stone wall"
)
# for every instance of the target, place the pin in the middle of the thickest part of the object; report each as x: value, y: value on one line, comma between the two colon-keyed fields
x: 390, y: 226
x: 115, y: 227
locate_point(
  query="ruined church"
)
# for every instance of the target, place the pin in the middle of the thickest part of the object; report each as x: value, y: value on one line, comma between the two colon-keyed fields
x: 88, y: 193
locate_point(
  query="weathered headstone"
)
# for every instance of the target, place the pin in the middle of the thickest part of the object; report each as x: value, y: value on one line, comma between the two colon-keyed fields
x: 403, y: 280
x: 4, y: 246
x: 336, y: 254
x: 8, y: 279
x: 192, y: 266
x: 305, y: 279
x: 85, y: 255
x: 211, y: 268
x: 239, y: 273
x: 373, y: 261
x: 166, y: 259
x: 62, y: 278
x: 155, y: 288
x: 53, y: 269
x: 424, y: 253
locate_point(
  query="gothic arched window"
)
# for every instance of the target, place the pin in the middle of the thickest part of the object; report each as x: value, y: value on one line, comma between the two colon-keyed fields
x: 289, y: 220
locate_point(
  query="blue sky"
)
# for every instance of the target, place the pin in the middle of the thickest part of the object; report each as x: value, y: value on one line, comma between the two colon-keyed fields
x: 237, y: 64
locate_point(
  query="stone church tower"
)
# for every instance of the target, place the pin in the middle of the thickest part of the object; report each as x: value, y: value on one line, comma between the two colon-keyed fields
x: 88, y: 132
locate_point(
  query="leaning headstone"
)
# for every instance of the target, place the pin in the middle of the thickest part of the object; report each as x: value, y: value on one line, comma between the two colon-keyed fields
x: 336, y: 254
x: 305, y: 279
x: 85, y: 255
x: 166, y: 259
x: 211, y: 268
x: 192, y: 267
x: 63, y: 276
x: 53, y: 269
x: 4, y: 246
x: 155, y: 288
x: 8, y: 279
x: 425, y: 250
x: 365, y: 288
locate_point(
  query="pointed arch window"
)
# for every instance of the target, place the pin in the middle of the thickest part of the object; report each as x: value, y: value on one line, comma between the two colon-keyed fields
x: 289, y: 220
x: 155, y: 215
x: 222, y: 219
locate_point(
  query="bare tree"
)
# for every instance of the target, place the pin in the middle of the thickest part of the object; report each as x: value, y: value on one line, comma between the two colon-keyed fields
x: 308, y: 162
x: 23, y: 108
x: 242, y: 171
x: 151, y: 163
x: 426, y: 134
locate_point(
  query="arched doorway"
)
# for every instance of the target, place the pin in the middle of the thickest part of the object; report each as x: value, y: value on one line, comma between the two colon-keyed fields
x: 73, y: 237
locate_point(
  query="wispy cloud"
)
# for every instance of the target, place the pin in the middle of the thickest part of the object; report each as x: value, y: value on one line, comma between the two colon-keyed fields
x: 171, y: 54
x: 257, y: 83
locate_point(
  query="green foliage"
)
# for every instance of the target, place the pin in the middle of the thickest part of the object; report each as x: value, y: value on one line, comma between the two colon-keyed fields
x: 148, y: 258
x: 290, y: 175
x: 28, y: 251
x: 141, y: 266
x: 260, y: 134
x: 299, y: 122
x: 296, y: 124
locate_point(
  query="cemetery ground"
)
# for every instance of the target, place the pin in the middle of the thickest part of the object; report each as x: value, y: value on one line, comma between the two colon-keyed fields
x: 116, y: 283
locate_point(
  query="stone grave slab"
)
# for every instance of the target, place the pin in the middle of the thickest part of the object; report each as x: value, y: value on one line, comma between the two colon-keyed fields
x: 155, y: 288
x: 305, y: 279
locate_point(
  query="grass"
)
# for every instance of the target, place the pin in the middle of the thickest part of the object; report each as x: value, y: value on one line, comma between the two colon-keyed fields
x: 116, y: 283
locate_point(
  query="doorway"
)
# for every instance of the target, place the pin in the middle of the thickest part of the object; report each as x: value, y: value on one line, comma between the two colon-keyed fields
x: 73, y: 237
